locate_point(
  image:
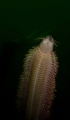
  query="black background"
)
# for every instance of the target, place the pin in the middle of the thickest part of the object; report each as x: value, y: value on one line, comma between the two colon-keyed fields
x: 21, y: 23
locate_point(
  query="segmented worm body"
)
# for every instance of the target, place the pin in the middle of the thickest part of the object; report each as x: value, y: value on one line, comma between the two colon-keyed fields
x: 37, y: 82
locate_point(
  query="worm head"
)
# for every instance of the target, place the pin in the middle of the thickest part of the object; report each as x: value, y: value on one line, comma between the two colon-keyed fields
x: 47, y: 44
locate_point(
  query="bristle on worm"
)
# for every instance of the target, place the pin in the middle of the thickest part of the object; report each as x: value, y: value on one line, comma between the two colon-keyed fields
x: 37, y: 82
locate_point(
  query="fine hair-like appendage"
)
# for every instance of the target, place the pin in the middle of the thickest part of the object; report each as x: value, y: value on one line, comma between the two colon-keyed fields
x: 37, y: 82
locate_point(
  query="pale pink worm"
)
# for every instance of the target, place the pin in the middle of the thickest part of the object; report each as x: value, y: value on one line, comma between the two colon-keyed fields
x: 37, y: 83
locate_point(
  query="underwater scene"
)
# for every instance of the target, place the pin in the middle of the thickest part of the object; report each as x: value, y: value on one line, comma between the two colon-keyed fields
x: 35, y: 60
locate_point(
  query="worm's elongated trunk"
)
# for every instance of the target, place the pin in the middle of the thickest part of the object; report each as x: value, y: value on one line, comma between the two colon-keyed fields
x: 37, y: 83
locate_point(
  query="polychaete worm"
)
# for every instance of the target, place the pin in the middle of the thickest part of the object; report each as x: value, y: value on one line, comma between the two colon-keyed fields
x: 37, y: 82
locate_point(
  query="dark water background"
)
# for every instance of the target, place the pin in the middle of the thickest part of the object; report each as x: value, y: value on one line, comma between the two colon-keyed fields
x: 20, y: 24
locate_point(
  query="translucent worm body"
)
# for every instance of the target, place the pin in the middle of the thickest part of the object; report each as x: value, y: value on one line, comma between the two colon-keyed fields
x: 37, y: 82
